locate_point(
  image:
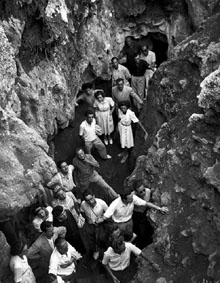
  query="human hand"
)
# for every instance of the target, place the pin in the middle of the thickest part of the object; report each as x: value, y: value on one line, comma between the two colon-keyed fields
x: 99, y: 220
x: 164, y: 210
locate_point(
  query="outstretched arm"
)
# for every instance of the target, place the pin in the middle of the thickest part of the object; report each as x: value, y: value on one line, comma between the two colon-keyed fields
x: 163, y: 210
x: 144, y: 130
x: 114, y: 278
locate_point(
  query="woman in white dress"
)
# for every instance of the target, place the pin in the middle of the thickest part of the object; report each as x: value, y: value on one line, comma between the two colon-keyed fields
x: 126, y: 117
x: 19, y: 265
x: 104, y: 107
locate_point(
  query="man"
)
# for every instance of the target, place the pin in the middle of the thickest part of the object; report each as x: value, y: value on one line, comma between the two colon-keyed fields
x: 85, y: 165
x: 93, y: 209
x: 121, y: 210
x: 88, y: 94
x: 87, y: 133
x: 150, y: 57
x: 119, y: 71
x: 63, y: 217
x: 63, y: 260
x: 116, y: 260
x: 138, y: 70
x: 64, y: 177
x: 40, y: 251
x: 122, y: 92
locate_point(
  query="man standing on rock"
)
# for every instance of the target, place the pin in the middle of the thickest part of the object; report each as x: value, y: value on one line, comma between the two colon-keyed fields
x: 85, y: 165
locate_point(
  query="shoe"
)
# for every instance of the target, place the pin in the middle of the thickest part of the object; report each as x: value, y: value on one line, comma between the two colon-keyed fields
x: 124, y: 158
x: 120, y: 154
x: 108, y: 156
x: 105, y: 141
x: 110, y: 141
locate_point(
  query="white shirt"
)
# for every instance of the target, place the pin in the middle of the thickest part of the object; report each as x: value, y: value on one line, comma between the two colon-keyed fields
x: 88, y: 131
x: 68, y: 203
x: 56, y: 260
x: 93, y: 213
x: 122, y: 73
x: 37, y: 220
x: 150, y: 58
x: 120, y: 261
x: 121, y: 212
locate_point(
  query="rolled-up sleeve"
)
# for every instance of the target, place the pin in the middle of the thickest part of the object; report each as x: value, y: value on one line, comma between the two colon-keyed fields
x: 138, y: 201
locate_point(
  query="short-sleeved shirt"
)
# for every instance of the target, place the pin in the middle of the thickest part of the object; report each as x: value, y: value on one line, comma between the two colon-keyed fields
x: 88, y: 130
x: 120, y: 261
x: 105, y: 105
x: 121, y: 212
x: 93, y: 213
x: 124, y: 95
x: 150, y: 58
x: 122, y: 73
x: 84, y: 170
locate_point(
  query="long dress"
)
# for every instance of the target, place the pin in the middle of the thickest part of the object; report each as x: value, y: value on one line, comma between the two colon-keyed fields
x: 125, y: 129
x: 21, y: 270
x: 103, y: 114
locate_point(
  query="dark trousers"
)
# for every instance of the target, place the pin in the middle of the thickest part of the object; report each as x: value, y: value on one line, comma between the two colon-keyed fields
x: 10, y: 230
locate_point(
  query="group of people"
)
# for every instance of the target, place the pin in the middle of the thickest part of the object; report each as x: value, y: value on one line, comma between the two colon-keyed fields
x: 82, y: 217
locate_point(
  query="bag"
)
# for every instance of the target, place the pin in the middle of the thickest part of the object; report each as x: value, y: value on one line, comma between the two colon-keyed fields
x: 80, y: 221
x: 98, y: 130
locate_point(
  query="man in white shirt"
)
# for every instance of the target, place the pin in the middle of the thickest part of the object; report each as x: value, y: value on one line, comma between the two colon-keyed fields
x: 87, y: 133
x: 63, y: 260
x: 119, y: 71
x: 93, y: 209
x: 150, y: 57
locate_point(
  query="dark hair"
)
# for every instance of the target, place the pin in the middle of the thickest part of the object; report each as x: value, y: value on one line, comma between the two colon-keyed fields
x: 124, y: 103
x: 127, y: 191
x: 37, y: 209
x: 51, y: 277
x: 59, y: 241
x: 144, y: 46
x: 136, y: 54
x: 111, y: 228
x: 137, y: 184
x: 89, y: 112
x: 59, y: 163
x: 44, y: 225
x: 17, y: 248
x: 87, y: 193
x: 119, y: 79
x: 99, y: 92
x: 78, y: 149
x: 114, y: 58
x: 87, y: 85
x: 117, y: 242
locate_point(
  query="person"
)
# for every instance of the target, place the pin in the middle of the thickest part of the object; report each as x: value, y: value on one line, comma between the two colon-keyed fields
x: 51, y: 278
x: 63, y: 260
x: 121, y: 211
x: 87, y: 133
x: 93, y: 209
x: 104, y: 107
x: 122, y: 92
x: 64, y: 177
x: 119, y: 71
x: 138, y: 70
x: 86, y: 173
x: 128, y: 52
x: 40, y: 251
x: 63, y: 217
x: 126, y: 117
x: 19, y: 265
x: 88, y: 94
x: 42, y: 214
x: 117, y: 258
x: 150, y: 57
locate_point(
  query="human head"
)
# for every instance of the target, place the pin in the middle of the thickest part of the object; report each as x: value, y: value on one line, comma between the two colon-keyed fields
x: 80, y: 154
x: 62, y: 166
x: 118, y: 245
x: 113, y: 231
x: 89, y: 198
x: 59, y: 193
x: 129, y: 41
x: 47, y: 228
x: 124, y: 105
x: 87, y: 88
x: 120, y: 83
x: 99, y: 95
x: 61, y: 245
x: 139, y: 188
x: 127, y: 195
x: 41, y: 212
x: 137, y: 57
x: 145, y: 50
x: 115, y: 62
x: 89, y: 116
x: 19, y: 249
x: 59, y: 213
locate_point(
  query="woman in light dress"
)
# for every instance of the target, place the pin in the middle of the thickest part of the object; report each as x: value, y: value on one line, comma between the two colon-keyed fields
x: 104, y: 106
x: 19, y: 265
x: 126, y: 117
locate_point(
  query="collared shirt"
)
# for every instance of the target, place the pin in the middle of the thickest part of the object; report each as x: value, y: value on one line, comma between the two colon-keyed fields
x: 150, y: 58
x: 56, y: 260
x: 120, y: 261
x: 84, y: 170
x: 65, y: 180
x: 138, y: 69
x: 68, y: 203
x: 122, y: 72
x: 93, y: 213
x: 88, y: 130
x: 121, y: 212
x: 124, y: 95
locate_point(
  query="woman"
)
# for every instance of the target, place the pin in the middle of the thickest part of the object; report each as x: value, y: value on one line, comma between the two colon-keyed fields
x: 42, y: 214
x: 104, y: 107
x: 19, y: 265
x: 126, y: 117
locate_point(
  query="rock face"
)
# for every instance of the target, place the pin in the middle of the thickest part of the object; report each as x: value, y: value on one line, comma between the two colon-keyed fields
x: 48, y: 49
x: 182, y: 164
